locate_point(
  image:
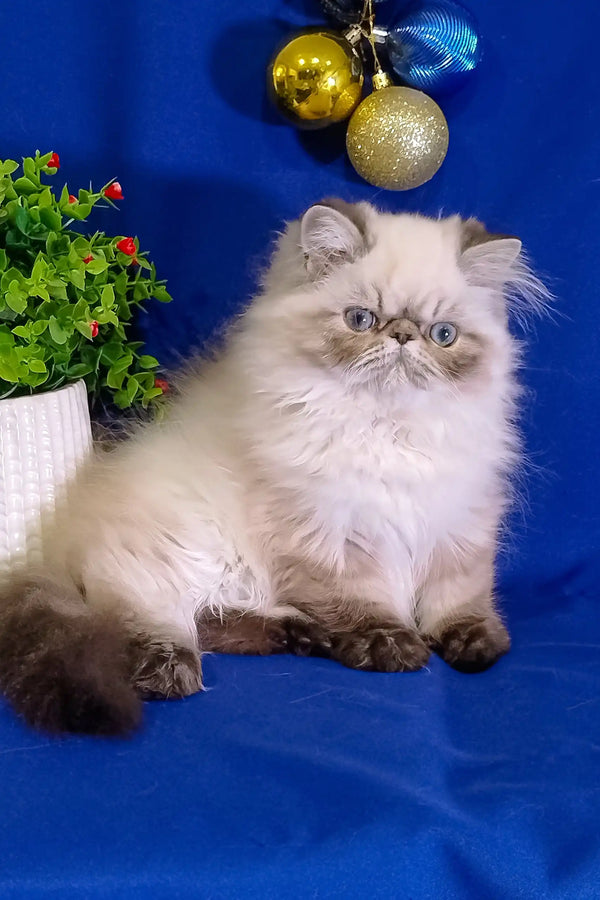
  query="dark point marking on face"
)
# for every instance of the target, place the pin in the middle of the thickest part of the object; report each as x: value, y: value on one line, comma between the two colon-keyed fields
x: 367, y: 351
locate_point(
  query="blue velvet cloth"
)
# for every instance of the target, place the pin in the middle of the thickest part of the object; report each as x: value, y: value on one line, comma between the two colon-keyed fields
x: 299, y: 778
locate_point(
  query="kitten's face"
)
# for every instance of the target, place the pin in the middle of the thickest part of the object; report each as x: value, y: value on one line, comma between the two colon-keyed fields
x: 384, y: 341
x: 391, y: 302
x: 383, y: 301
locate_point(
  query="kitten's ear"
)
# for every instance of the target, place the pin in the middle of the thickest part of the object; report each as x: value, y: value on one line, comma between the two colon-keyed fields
x: 487, y: 259
x: 329, y: 237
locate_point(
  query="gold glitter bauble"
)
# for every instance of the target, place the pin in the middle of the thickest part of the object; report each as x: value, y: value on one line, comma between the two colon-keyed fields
x: 397, y: 138
x: 315, y: 78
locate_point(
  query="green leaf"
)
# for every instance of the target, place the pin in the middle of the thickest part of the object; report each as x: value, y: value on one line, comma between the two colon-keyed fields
x: 132, y: 388
x: 25, y: 187
x: 2, y: 260
x: 30, y: 170
x: 9, y: 276
x: 110, y: 353
x: 37, y: 365
x: 150, y: 395
x: 82, y: 245
x: 147, y: 362
x: 9, y: 166
x: 96, y: 266
x: 120, y: 284
x: 107, y: 298
x: 34, y: 380
x: 56, y: 332
x: 40, y: 268
x: 81, y: 310
x: 23, y: 331
x: 122, y: 400
x: 50, y: 218
x: 46, y: 198
x: 84, y: 328
x: 77, y: 276
x: 39, y: 327
x: 161, y: 294
x: 79, y: 210
x: 123, y: 363
x: 17, y: 300
x: 22, y: 220
x: 79, y: 370
x: 115, y: 379
x: 106, y: 316
x: 57, y: 244
x: 9, y: 370
x: 57, y: 289
x: 140, y: 291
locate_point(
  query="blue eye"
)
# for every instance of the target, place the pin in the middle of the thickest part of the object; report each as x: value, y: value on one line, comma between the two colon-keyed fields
x: 359, y: 319
x: 443, y: 333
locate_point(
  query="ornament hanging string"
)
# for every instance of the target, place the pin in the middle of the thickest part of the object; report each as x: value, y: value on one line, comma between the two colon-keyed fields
x: 381, y: 79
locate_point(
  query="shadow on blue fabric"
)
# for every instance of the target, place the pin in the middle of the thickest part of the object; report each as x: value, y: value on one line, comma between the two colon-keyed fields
x: 296, y: 778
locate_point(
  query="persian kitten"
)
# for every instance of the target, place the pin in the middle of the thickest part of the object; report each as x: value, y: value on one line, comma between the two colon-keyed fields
x: 331, y: 483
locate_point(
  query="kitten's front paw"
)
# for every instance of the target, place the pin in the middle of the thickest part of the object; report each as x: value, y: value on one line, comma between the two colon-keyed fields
x: 473, y: 644
x: 162, y: 669
x: 382, y: 648
x: 306, y: 638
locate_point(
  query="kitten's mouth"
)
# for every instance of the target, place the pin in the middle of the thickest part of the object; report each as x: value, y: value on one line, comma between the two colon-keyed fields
x: 393, y: 369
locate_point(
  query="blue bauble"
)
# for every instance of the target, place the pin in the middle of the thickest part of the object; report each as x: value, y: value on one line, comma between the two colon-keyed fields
x: 347, y: 11
x: 434, y: 46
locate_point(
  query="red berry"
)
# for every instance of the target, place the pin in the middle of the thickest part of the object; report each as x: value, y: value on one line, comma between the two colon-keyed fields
x: 88, y: 259
x: 72, y: 198
x: 94, y: 327
x: 162, y: 384
x: 127, y: 246
x: 54, y: 161
x: 113, y: 191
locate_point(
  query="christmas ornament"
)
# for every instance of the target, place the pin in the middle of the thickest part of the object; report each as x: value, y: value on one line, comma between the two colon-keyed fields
x: 433, y: 47
x: 347, y: 11
x: 397, y: 137
x: 316, y: 77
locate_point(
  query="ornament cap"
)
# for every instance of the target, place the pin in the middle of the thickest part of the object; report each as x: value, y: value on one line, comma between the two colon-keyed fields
x: 354, y: 34
x: 381, y: 80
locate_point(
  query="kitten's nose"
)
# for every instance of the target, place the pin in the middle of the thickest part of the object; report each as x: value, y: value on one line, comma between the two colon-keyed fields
x: 404, y: 331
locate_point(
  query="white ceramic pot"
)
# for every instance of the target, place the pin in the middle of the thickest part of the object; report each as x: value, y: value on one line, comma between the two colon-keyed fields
x: 43, y: 440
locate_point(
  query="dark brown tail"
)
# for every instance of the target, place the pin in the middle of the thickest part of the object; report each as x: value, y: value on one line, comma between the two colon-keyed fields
x: 63, y: 666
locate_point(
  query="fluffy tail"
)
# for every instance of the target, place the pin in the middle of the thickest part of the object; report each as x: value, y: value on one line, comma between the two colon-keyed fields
x: 63, y: 666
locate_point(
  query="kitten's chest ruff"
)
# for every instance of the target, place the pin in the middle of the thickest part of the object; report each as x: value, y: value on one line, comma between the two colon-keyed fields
x: 412, y: 483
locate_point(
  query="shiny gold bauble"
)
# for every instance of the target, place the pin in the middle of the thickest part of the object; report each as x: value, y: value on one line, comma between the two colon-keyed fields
x: 315, y: 78
x: 397, y: 138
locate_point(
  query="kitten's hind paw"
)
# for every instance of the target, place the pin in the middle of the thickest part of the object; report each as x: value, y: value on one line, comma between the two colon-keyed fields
x: 163, y: 669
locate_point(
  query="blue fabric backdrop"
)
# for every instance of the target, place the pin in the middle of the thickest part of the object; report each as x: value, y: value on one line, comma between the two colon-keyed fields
x: 298, y: 778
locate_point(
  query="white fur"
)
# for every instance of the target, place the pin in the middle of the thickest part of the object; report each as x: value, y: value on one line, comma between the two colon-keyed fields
x: 268, y: 454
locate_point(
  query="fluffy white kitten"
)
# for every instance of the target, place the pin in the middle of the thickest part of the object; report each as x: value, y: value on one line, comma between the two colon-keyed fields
x: 332, y: 483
